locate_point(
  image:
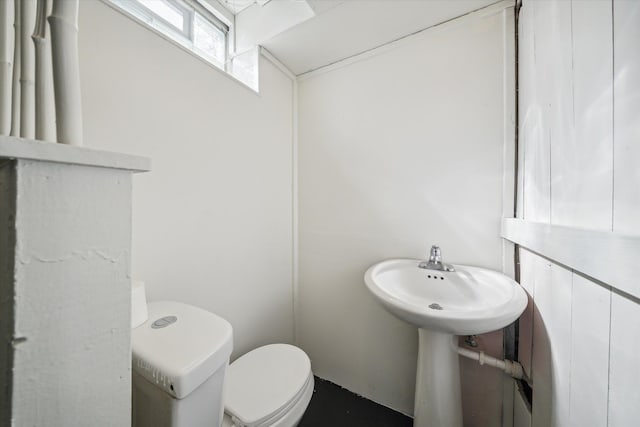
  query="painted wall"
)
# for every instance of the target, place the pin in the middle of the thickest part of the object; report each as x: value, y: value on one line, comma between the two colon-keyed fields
x: 580, y: 163
x: 398, y: 149
x: 212, y: 221
x: 69, y: 339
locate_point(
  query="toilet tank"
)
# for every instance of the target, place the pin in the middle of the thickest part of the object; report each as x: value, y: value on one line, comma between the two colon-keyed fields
x: 180, y: 355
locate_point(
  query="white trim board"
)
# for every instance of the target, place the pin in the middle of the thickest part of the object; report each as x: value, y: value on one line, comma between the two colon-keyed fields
x: 509, y: 132
x: 610, y: 258
x: 294, y: 186
x: 275, y: 61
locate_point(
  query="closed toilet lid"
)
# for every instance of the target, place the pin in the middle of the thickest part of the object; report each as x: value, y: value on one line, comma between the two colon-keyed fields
x: 262, y: 382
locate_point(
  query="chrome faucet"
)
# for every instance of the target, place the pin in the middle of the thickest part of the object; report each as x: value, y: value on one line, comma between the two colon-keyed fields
x: 435, y: 261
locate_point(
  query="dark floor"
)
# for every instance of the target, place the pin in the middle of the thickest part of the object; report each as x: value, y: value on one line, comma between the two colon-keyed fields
x: 334, y: 406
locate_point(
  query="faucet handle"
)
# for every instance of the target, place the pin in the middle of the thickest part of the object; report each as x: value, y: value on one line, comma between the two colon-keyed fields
x: 435, y: 254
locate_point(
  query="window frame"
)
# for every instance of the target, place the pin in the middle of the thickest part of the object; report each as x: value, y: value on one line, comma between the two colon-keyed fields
x: 178, y: 6
x: 185, y: 37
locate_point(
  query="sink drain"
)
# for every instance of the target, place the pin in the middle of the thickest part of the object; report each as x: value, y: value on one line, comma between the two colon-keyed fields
x: 435, y: 306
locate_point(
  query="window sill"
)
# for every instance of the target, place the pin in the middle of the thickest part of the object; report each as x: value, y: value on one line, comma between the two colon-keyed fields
x: 193, y: 53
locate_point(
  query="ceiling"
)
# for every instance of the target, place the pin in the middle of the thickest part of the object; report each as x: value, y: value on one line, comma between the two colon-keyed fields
x: 308, y: 34
x: 344, y: 28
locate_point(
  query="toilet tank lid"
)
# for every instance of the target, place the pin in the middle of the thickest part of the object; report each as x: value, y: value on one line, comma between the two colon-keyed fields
x: 180, y: 346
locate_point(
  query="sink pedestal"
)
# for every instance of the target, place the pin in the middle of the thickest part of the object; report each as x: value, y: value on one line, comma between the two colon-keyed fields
x: 438, y: 401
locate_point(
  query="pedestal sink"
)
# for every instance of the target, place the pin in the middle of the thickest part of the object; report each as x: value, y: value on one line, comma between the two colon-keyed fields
x: 443, y: 304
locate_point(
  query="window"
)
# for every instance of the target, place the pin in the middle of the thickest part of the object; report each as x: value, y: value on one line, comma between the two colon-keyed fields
x: 186, y: 22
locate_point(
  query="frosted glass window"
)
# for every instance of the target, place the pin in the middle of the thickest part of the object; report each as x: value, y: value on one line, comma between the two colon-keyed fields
x: 209, y: 39
x: 198, y: 28
x: 166, y: 11
x: 186, y: 22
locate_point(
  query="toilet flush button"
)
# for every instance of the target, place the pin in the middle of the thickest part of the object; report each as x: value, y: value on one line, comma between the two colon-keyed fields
x: 163, y: 322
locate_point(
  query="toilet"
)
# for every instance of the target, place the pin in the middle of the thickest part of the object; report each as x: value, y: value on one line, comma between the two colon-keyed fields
x: 182, y: 377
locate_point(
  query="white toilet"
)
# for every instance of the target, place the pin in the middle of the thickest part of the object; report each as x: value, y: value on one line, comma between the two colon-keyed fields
x: 182, y: 376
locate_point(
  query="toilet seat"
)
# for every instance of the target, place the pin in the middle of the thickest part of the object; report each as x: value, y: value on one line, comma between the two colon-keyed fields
x: 265, y: 385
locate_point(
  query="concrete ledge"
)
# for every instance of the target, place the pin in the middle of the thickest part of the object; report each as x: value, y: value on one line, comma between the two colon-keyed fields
x: 28, y: 149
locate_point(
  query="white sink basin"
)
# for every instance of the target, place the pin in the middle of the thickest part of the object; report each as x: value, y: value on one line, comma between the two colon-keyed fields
x: 443, y: 304
x: 468, y: 301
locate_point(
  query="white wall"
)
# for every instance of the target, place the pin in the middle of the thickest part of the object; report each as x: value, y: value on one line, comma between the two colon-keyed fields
x: 212, y: 221
x: 579, y: 133
x: 66, y: 296
x: 398, y: 149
